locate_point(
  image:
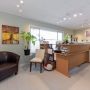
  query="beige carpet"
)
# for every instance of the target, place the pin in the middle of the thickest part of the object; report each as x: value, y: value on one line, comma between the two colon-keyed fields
x: 25, y: 80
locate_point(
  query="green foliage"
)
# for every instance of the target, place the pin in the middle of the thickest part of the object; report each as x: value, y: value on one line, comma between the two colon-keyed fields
x: 28, y: 38
x: 66, y: 37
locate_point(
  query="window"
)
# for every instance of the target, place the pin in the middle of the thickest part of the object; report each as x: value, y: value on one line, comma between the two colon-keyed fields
x: 35, y: 32
x: 60, y: 36
x: 47, y: 35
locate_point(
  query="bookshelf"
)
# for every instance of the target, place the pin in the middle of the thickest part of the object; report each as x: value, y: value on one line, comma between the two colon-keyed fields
x: 49, y: 54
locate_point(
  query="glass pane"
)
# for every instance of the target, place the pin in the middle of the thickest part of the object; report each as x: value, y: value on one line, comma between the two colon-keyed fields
x: 34, y: 47
x: 35, y: 32
x: 48, y: 35
x: 51, y: 41
x: 60, y: 36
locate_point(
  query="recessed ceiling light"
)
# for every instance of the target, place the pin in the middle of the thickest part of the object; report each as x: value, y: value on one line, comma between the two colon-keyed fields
x: 74, y: 15
x: 21, y: 1
x: 80, y: 14
x: 20, y: 10
x: 64, y: 19
x: 18, y: 5
x: 69, y: 18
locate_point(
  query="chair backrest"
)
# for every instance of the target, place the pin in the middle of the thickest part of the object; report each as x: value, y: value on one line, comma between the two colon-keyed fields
x: 40, y: 53
x: 50, y: 51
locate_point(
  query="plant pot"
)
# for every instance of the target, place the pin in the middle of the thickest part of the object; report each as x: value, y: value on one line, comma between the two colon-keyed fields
x: 27, y: 52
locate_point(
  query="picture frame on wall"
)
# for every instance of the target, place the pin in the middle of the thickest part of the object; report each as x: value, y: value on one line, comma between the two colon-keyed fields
x: 10, y: 34
x: 88, y: 33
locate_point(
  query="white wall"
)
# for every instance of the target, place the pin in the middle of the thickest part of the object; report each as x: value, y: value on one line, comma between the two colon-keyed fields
x: 11, y: 20
x: 81, y: 34
x: 23, y: 24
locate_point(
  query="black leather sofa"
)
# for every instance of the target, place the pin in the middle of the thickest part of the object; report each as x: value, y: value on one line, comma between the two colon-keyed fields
x: 8, y: 64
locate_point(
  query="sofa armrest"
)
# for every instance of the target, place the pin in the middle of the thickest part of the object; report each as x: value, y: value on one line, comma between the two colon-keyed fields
x: 13, y: 58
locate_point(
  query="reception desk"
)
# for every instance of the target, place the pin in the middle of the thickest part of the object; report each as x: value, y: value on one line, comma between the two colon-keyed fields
x: 77, y: 54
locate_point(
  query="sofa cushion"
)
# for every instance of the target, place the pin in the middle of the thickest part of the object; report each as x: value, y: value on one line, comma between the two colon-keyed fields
x: 7, y: 66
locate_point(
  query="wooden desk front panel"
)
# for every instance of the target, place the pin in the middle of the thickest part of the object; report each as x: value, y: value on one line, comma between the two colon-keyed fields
x: 62, y: 64
x: 77, y: 59
x: 65, y: 63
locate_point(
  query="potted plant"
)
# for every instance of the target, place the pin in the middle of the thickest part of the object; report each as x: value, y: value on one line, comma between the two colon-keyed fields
x: 28, y: 38
x: 66, y: 39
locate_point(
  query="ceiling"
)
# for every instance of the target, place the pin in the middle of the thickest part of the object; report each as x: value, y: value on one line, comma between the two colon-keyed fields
x: 52, y: 11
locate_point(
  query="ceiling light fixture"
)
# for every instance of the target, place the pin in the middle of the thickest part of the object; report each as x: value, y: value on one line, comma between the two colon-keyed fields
x: 18, y: 5
x: 80, y: 14
x: 69, y: 18
x: 74, y: 15
x: 64, y: 19
x: 21, y: 1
